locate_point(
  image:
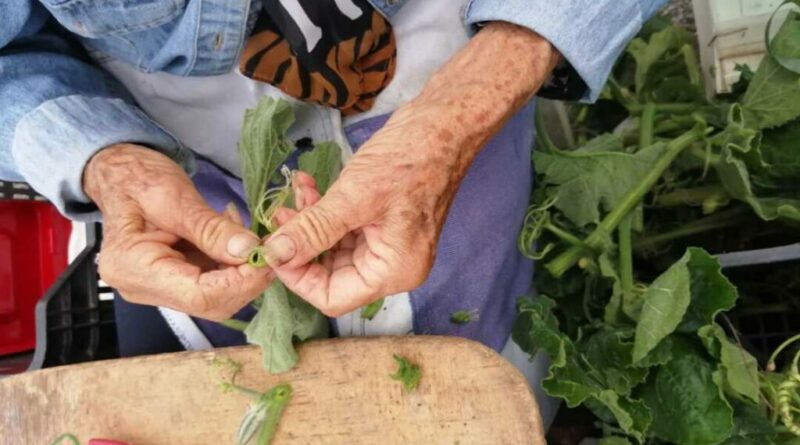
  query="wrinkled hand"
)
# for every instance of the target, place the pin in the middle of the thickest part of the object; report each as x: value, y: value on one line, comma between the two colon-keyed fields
x: 162, y: 244
x: 382, y: 217
x: 381, y: 220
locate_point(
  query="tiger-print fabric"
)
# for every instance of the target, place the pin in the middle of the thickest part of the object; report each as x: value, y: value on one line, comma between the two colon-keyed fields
x: 338, y: 53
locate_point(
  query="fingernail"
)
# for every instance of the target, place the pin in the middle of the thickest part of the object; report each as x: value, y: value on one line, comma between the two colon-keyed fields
x: 241, y: 244
x: 279, y: 250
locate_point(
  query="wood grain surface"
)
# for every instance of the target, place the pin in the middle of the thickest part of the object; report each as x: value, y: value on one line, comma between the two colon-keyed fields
x: 342, y: 395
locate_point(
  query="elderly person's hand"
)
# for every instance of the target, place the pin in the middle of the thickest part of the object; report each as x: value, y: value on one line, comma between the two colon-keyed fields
x: 382, y: 218
x: 162, y: 244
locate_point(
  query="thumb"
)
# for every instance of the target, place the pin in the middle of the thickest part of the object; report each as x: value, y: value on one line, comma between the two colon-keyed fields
x: 216, y: 235
x: 309, y: 233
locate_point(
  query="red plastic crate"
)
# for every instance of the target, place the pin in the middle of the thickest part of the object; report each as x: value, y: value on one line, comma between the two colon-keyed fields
x: 33, y: 252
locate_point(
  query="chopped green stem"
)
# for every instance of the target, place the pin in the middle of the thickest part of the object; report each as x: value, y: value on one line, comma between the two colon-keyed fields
x: 691, y: 196
x: 541, y: 131
x: 692, y: 68
x: 257, y: 258
x: 278, y: 399
x: 66, y: 437
x: 236, y: 325
x: 369, y: 311
x: 717, y: 221
x: 568, y: 258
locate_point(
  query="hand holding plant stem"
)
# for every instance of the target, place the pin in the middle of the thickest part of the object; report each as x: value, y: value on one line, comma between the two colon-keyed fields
x: 380, y: 221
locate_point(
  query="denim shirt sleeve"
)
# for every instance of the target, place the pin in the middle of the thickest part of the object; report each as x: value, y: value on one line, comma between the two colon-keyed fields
x: 57, y: 110
x: 590, y: 34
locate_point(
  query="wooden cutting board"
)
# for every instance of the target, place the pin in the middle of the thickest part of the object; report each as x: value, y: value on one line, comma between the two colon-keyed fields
x: 342, y: 395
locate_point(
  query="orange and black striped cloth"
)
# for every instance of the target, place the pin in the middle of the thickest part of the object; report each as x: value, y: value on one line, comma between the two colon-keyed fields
x: 338, y: 53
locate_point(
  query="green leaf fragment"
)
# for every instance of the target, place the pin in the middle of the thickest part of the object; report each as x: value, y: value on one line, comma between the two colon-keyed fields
x: 66, y: 438
x: 408, y: 373
x: 464, y: 316
x: 369, y: 311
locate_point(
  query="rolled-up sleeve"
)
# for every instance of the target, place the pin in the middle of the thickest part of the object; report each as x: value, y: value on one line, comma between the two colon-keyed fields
x: 590, y: 34
x: 57, y: 110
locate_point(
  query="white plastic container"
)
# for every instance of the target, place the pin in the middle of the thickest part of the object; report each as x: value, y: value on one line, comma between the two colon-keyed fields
x: 731, y: 32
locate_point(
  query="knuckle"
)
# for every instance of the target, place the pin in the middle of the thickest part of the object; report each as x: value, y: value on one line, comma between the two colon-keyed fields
x: 318, y: 226
x: 207, y: 227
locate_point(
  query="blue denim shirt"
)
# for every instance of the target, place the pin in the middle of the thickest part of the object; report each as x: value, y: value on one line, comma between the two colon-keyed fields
x: 57, y: 109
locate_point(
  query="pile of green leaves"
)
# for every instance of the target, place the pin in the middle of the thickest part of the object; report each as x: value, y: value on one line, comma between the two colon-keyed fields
x: 282, y: 316
x: 636, y: 333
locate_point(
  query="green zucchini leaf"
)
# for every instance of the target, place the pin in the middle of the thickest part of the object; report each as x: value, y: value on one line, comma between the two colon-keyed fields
x: 773, y: 96
x: 585, y: 182
x: 272, y: 329
x: 687, y: 406
x: 324, y: 163
x: 740, y: 369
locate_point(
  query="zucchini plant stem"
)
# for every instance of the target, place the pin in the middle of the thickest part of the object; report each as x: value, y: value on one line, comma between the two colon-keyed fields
x: 541, y: 131
x: 625, y: 254
x: 563, y: 235
x: 647, y: 122
x: 667, y: 108
x: 727, y: 218
x: 275, y: 409
x: 690, y: 196
x: 692, y: 69
x: 568, y: 258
